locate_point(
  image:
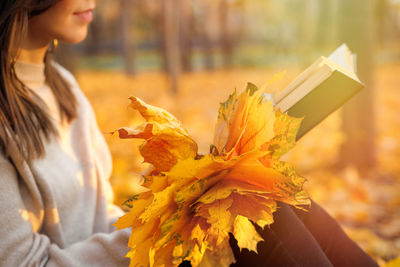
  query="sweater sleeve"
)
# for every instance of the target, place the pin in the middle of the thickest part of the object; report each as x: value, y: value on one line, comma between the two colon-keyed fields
x: 22, y: 245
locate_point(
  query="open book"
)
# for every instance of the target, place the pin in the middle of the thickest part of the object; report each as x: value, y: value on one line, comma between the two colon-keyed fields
x: 321, y: 89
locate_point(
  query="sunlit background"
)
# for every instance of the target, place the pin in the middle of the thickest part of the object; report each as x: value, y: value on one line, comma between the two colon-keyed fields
x: 188, y: 55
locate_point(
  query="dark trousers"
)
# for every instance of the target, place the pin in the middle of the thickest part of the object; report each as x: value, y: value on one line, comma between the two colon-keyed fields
x: 301, y: 238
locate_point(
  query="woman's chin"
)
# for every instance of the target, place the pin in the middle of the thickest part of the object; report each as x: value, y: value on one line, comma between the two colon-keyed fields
x: 75, y: 38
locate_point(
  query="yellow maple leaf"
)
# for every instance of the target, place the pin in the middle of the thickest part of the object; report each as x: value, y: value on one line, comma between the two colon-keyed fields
x: 166, y: 140
x: 245, y: 234
x: 220, y: 218
x: 222, y: 256
x: 155, y: 114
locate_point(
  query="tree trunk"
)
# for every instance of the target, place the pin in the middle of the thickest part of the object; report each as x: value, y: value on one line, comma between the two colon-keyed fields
x: 226, y: 38
x: 186, y: 31
x: 126, y: 36
x: 358, y: 31
x: 171, y: 36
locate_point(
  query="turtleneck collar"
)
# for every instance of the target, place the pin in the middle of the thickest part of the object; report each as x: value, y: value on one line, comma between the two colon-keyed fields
x: 32, y: 75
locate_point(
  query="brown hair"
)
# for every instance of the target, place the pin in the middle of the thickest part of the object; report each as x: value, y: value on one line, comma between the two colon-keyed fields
x: 24, y: 119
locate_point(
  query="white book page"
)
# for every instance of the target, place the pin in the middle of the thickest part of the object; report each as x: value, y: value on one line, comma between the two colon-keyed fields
x: 343, y: 57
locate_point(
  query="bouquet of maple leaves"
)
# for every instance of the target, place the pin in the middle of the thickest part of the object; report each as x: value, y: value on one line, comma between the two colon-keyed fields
x: 194, y: 201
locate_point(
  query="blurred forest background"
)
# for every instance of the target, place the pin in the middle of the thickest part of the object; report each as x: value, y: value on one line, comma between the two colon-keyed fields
x: 188, y: 55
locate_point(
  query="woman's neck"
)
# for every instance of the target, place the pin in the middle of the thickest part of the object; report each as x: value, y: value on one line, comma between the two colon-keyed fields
x: 32, y: 56
x: 33, y: 50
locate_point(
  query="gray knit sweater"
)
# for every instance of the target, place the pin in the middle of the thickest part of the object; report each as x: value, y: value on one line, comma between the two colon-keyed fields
x: 58, y: 211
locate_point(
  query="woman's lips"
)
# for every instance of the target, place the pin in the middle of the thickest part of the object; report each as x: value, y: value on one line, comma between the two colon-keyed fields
x: 86, y: 15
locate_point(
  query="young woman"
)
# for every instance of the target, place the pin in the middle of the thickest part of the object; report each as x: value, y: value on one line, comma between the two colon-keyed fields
x: 55, y: 199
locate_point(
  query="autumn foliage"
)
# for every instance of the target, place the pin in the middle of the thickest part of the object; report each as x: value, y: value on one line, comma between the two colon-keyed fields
x: 194, y: 201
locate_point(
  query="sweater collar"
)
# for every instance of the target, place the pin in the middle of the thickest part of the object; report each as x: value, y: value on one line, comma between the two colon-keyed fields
x: 32, y: 75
